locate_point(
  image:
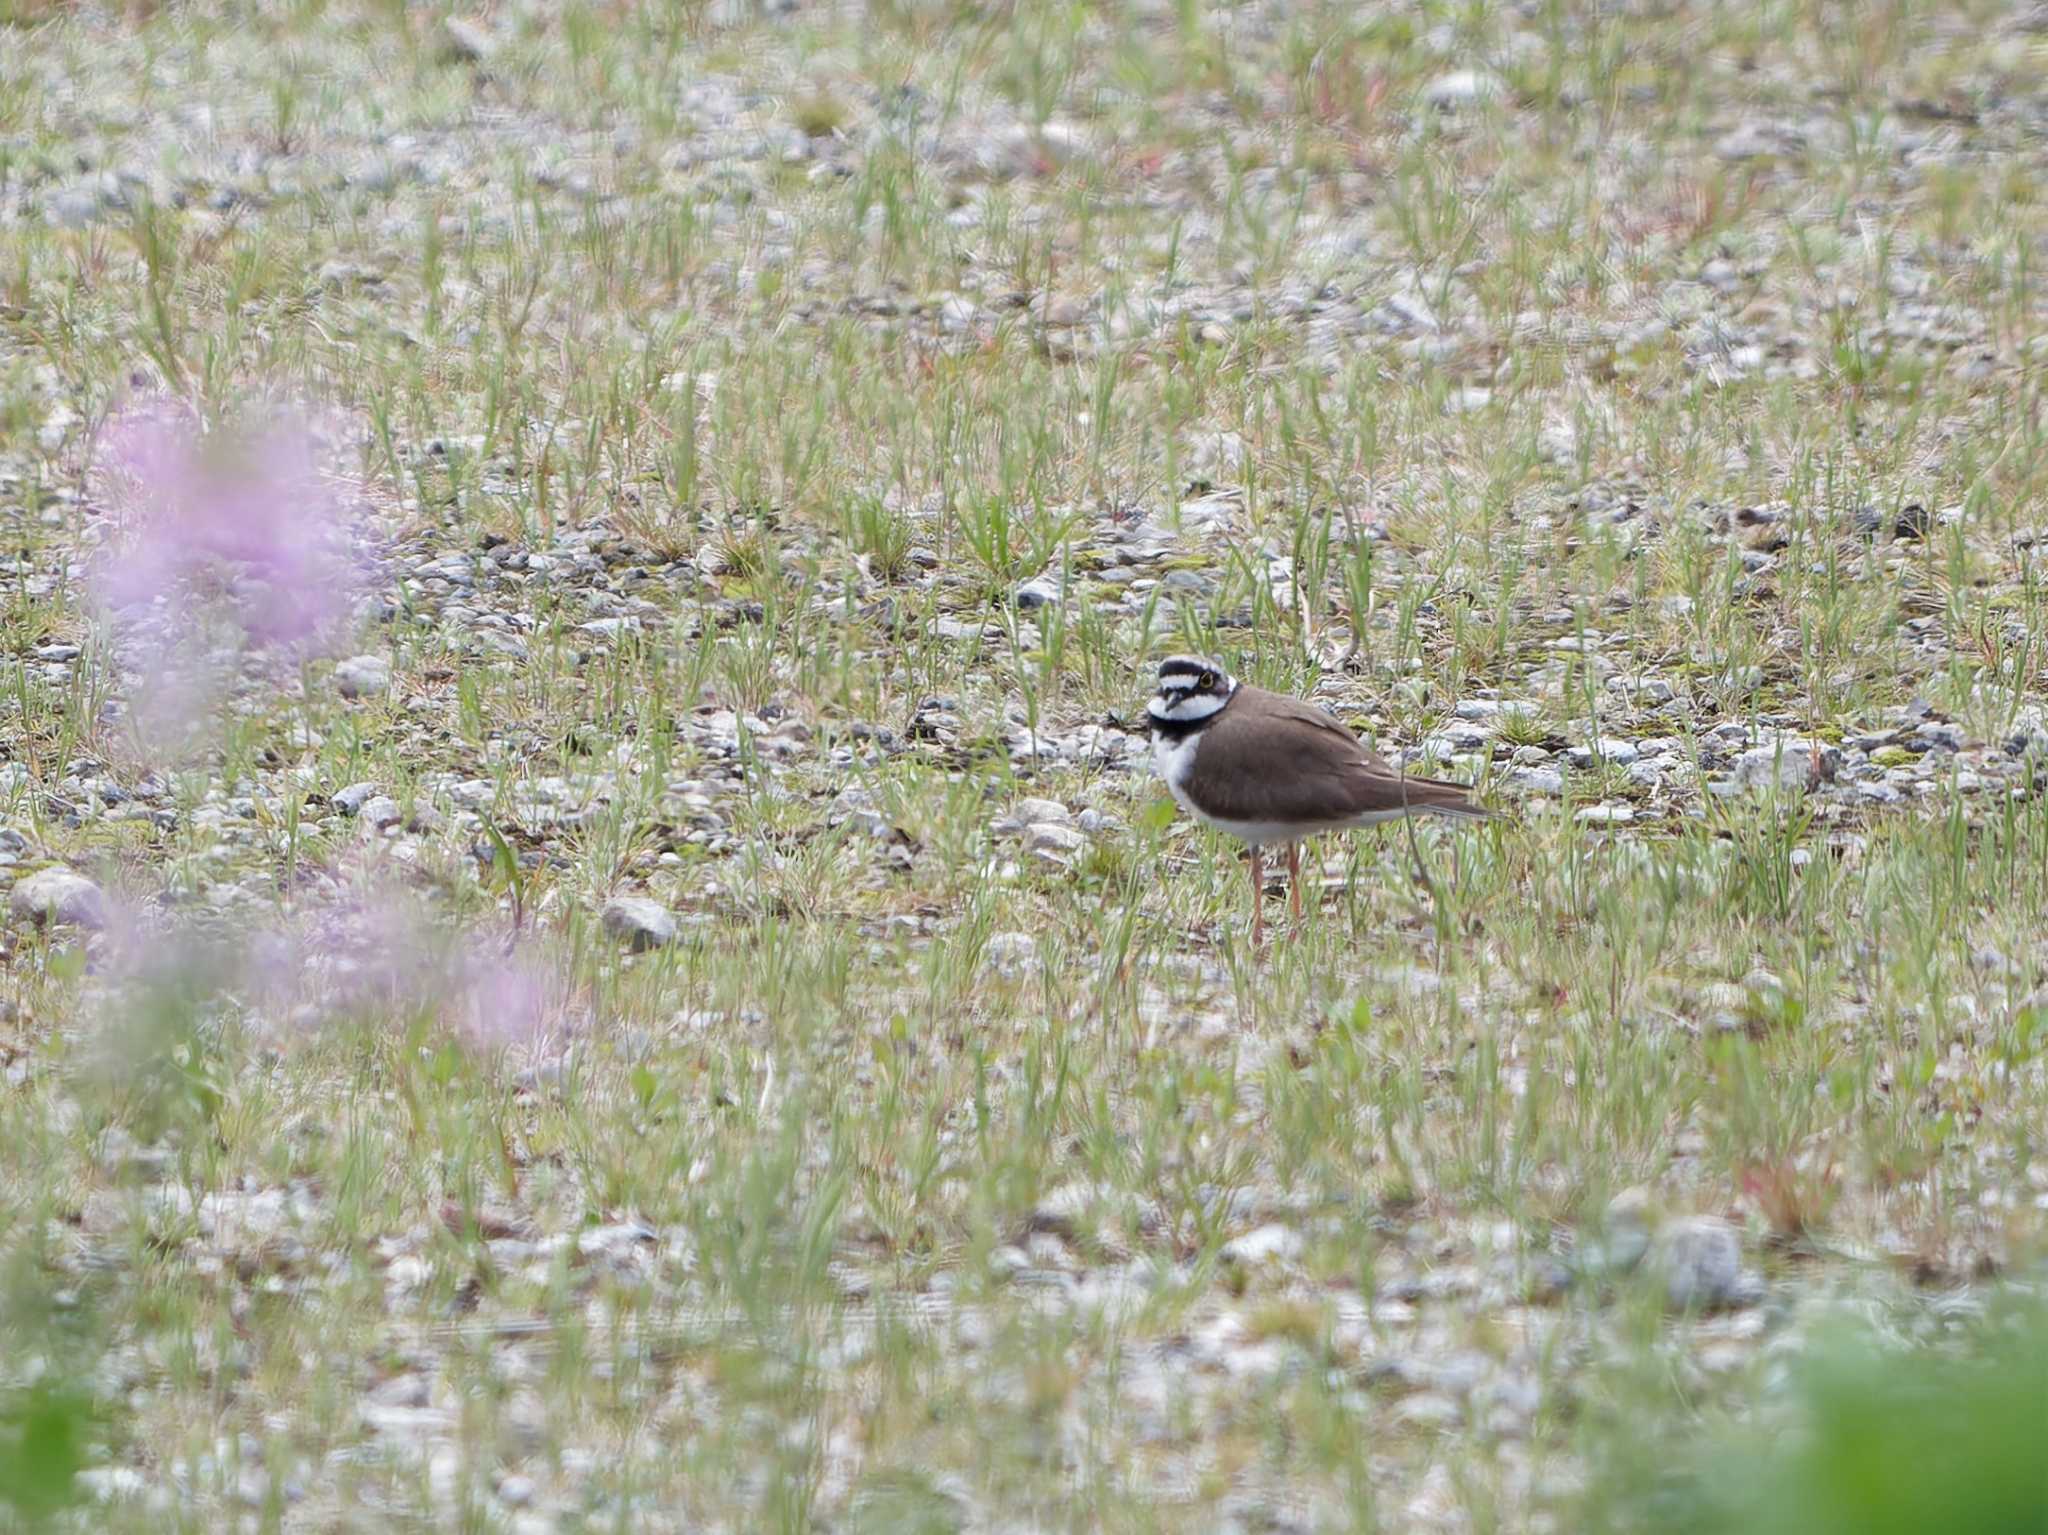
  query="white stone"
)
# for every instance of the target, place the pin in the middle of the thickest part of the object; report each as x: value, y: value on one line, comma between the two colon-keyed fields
x: 1461, y: 88
x: 1607, y: 815
x: 1269, y: 1243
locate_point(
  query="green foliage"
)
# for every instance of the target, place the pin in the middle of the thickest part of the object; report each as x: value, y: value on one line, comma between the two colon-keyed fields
x: 1872, y: 1437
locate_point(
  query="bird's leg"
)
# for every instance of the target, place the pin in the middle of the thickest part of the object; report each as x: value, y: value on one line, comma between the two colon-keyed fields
x: 1258, y: 899
x: 1294, y: 878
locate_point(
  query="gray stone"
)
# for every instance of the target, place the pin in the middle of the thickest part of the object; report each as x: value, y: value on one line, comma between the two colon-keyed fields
x: 380, y: 811
x: 1788, y: 762
x: 1037, y: 594
x: 361, y: 676
x: 1699, y: 1258
x: 1625, y: 1228
x: 1048, y: 838
x: 351, y: 800
x: 1606, y: 749
x: 639, y: 922
x: 59, y: 895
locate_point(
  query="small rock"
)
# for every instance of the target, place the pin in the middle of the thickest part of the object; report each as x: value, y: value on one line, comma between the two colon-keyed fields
x: 1606, y: 749
x: 641, y: 923
x: 1626, y: 1224
x: 1607, y: 815
x: 1460, y: 88
x: 1036, y: 594
x: 59, y: 895
x: 1653, y: 690
x: 1266, y: 1244
x: 1700, y: 1259
x: 1043, y: 812
x: 1789, y: 762
x: 517, y: 1491
x: 362, y: 676
x: 1062, y: 841
x: 350, y: 801
x: 380, y: 811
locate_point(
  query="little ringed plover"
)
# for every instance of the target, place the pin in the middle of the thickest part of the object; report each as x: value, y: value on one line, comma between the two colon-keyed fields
x: 1270, y: 769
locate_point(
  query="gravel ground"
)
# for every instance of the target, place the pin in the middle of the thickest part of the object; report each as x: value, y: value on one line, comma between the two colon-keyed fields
x: 592, y: 942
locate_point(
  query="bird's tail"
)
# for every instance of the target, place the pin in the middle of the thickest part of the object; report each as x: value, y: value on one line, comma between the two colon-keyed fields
x: 1437, y: 796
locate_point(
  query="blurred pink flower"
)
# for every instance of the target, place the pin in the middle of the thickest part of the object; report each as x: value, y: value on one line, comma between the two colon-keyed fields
x: 504, y: 998
x: 382, y: 959
x: 236, y: 524
x: 389, y: 959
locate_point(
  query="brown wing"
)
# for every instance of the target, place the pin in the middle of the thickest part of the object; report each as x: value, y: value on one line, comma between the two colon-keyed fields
x: 1286, y: 760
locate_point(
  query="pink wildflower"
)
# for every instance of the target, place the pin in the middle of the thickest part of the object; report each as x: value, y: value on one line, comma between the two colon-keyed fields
x: 240, y: 525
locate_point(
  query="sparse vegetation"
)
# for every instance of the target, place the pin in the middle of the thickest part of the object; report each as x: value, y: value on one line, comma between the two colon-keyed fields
x: 665, y: 995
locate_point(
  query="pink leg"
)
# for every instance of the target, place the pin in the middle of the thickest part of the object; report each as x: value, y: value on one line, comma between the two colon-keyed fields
x: 1258, y: 899
x: 1294, y: 878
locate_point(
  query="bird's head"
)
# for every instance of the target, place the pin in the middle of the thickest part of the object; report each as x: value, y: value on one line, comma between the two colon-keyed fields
x: 1191, y: 688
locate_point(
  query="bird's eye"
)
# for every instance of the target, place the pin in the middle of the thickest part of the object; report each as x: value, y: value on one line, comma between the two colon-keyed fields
x: 1206, y: 681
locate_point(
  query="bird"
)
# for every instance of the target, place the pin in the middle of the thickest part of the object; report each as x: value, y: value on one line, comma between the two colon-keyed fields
x: 1270, y: 769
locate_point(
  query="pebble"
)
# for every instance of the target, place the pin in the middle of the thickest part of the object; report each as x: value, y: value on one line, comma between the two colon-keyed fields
x: 59, y: 896
x: 1461, y: 88
x: 1037, y: 594
x: 1607, y: 815
x: 641, y: 923
x: 1700, y: 1260
x: 361, y: 676
x: 1270, y: 1243
x: 1054, y: 843
x: 1606, y: 749
x: 1789, y: 762
x: 380, y: 811
x: 350, y: 801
